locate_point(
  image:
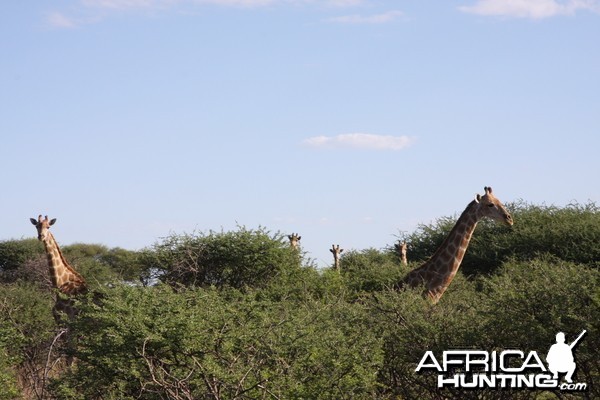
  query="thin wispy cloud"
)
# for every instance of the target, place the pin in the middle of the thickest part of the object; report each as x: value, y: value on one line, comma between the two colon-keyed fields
x: 533, y: 9
x: 367, y: 19
x: 344, y: 3
x: 145, y: 4
x: 125, y: 4
x: 59, y: 20
x: 365, y: 141
x: 93, y: 11
x: 158, y: 4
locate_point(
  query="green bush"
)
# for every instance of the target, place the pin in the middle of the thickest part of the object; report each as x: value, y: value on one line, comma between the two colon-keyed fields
x: 8, y: 377
x: 540, y: 298
x: 410, y: 326
x: 522, y: 306
x: 25, y: 260
x: 14, y: 253
x: 571, y: 233
x: 235, y: 259
x: 204, y: 343
x: 370, y: 270
x: 101, y: 265
x: 26, y: 331
x: 124, y: 263
x: 27, y: 311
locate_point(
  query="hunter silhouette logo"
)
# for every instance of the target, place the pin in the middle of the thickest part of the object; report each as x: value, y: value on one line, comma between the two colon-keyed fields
x: 560, y: 357
x: 512, y: 368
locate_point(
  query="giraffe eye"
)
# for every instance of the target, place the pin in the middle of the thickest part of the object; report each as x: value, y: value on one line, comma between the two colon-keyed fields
x: 491, y: 205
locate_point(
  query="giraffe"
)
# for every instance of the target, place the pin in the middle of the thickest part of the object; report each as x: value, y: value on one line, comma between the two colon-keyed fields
x: 336, y: 251
x: 401, y: 248
x: 64, y: 278
x: 437, y: 272
x: 294, y: 240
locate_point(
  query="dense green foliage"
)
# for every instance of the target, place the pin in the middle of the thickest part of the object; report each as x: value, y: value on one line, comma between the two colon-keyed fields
x: 371, y: 270
x: 522, y: 306
x: 240, y: 315
x: 201, y: 343
x: 234, y: 259
x: 14, y: 254
x: 571, y: 233
x: 26, y: 330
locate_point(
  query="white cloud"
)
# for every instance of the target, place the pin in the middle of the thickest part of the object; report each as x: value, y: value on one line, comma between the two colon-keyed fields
x: 367, y: 19
x: 145, y: 4
x: 59, y: 20
x: 92, y: 11
x: 344, y: 3
x: 360, y: 141
x: 534, y: 9
x: 124, y: 4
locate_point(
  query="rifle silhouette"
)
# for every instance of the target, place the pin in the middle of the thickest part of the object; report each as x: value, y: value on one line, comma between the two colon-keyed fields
x: 577, y: 340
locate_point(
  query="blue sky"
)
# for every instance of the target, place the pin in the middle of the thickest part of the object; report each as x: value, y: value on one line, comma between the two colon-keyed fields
x: 348, y: 121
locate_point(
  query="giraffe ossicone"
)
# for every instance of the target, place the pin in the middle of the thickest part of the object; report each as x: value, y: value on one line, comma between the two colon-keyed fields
x: 437, y: 272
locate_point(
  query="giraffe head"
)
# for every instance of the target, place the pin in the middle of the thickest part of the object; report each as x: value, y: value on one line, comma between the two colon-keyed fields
x: 42, y: 226
x: 489, y: 206
x: 294, y: 240
x: 336, y: 251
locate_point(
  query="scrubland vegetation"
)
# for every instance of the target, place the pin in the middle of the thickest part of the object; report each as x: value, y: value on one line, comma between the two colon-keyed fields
x: 240, y: 315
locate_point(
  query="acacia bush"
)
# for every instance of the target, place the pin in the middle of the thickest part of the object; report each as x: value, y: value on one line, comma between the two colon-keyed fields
x: 537, y: 299
x: 220, y: 344
x: 370, y: 270
x: 25, y: 260
x: 571, y: 233
x: 522, y: 306
x: 26, y: 332
x: 235, y: 259
x: 14, y: 254
x: 101, y: 265
x: 8, y: 376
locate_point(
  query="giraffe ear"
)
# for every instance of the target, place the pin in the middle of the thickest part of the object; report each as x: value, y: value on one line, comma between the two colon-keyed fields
x: 33, y: 221
x: 52, y: 221
x: 477, y: 198
x: 331, y: 250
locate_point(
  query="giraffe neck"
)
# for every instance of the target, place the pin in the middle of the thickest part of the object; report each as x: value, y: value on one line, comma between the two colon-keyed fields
x: 440, y: 269
x: 336, y: 261
x: 64, y: 277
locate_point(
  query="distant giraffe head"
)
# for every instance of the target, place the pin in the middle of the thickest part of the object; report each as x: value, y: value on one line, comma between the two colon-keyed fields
x: 337, y: 252
x: 294, y: 240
